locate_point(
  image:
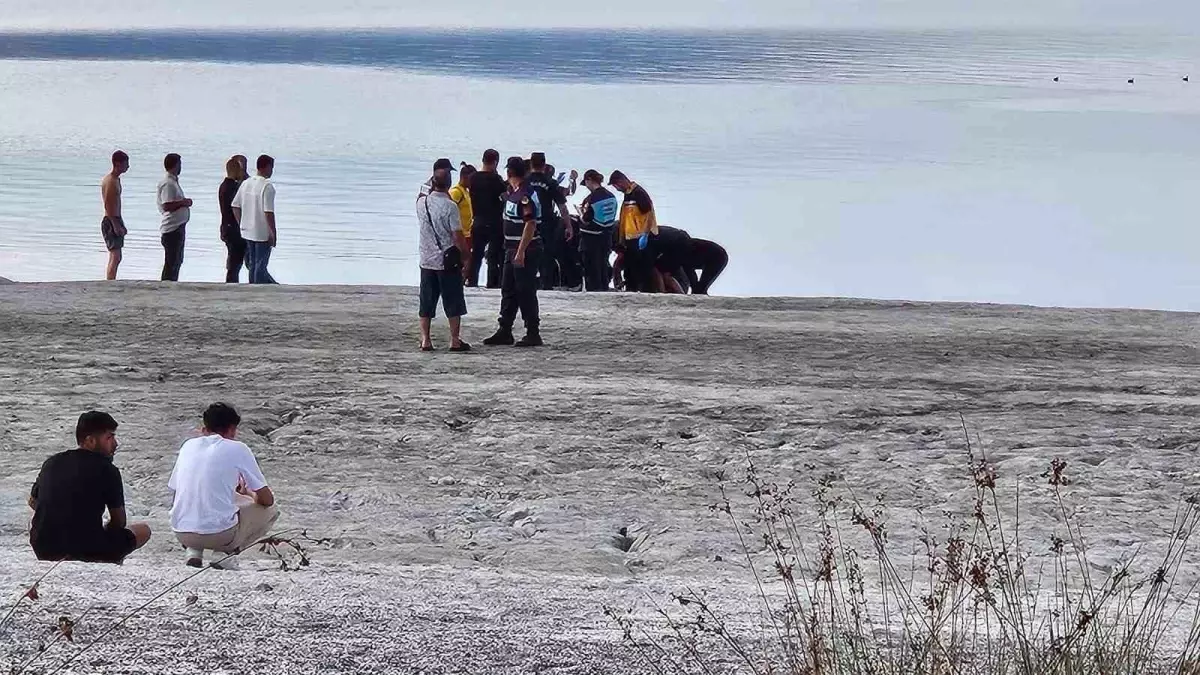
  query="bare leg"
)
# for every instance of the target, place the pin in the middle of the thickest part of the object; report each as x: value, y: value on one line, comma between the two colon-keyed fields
x: 455, y: 326
x: 114, y: 261
x: 425, y: 340
x: 141, y: 532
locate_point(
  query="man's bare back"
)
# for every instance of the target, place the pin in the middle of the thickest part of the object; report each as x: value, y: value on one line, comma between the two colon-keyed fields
x: 110, y: 193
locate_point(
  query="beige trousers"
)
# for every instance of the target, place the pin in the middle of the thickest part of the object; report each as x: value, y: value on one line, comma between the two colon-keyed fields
x: 254, y: 522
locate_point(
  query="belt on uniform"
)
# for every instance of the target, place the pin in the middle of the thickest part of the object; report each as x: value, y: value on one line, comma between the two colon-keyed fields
x: 518, y: 237
x: 603, y: 230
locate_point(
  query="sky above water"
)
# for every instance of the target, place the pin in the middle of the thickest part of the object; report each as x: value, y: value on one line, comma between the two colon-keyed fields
x: 713, y: 14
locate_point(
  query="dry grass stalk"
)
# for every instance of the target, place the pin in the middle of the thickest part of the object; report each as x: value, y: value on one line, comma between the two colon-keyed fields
x: 838, y: 603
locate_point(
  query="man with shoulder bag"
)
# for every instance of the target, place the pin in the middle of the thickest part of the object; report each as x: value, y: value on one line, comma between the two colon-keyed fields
x: 443, y: 248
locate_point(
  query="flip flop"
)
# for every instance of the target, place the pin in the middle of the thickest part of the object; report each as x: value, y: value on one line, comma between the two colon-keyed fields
x: 427, y: 348
x: 464, y: 347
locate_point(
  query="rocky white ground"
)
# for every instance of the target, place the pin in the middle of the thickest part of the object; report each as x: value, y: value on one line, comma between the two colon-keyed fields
x: 472, y: 501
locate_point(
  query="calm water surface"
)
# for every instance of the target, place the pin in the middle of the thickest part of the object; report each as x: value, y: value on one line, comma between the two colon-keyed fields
x: 922, y: 165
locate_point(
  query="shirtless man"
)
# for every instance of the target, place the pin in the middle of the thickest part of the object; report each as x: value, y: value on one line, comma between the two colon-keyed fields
x: 112, y: 228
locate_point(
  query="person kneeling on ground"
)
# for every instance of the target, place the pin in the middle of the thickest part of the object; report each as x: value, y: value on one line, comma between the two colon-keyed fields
x: 222, y: 502
x: 71, y: 493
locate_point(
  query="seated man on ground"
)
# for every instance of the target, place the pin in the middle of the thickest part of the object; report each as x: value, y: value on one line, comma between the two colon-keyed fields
x: 71, y: 494
x: 222, y: 502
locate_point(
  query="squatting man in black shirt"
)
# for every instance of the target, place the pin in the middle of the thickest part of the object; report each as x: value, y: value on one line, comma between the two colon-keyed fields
x: 71, y: 493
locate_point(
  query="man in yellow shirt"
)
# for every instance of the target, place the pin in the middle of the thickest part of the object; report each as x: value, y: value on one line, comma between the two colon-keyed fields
x: 460, y: 194
x: 637, y: 230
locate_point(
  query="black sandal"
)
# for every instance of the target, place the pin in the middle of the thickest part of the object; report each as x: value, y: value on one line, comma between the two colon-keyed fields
x: 462, y: 347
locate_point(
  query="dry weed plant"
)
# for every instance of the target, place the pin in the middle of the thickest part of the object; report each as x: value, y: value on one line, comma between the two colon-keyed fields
x: 975, y: 601
x: 289, y: 548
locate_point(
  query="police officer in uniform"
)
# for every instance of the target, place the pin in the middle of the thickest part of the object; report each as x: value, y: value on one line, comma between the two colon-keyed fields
x: 523, y: 251
x: 555, y: 231
x: 596, y: 224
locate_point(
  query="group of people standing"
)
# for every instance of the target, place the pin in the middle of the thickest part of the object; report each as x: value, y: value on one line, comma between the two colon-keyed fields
x: 521, y: 224
x: 247, y: 217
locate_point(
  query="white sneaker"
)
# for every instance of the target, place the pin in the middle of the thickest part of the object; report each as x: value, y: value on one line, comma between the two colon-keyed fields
x: 229, y: 564
x: 195, y: 557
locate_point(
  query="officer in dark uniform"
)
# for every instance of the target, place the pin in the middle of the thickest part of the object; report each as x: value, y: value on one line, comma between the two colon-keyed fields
x: 523, y: 251
x: 597, y: 222
x: 555, y: 231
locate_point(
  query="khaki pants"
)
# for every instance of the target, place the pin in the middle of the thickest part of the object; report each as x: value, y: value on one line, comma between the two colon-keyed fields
x: 254, y: 522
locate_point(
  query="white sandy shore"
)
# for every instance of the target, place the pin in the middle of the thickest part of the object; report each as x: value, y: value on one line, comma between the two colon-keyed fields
x: 472, y: 499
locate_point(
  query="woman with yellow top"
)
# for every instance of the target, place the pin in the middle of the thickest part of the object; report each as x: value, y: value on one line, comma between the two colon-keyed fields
x: 460, y: 194
x: 636, y: 231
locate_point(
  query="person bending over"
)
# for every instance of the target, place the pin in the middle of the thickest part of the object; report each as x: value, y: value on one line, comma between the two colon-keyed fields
x: 221, y: 500
x: 71, y: 493
x: 710, y: 258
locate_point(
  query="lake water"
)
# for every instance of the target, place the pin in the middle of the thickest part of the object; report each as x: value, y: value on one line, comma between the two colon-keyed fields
x: 944, y: 165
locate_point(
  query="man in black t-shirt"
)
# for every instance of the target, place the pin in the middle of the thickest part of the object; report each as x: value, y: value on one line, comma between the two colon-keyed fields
x: 488, y: 189
x: 71, y: 493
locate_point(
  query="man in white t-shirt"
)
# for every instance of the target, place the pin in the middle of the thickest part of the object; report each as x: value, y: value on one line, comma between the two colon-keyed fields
x: 176, y: 210
x: 221, y: 500
x: 254, y: 209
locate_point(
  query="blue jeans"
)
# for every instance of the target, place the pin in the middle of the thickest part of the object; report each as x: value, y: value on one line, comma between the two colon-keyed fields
x: 258, y: 255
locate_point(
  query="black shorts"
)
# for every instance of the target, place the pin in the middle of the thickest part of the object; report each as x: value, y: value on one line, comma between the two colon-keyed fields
x: 112, y: 240
x: 445, y: 285
x: 113, y: 546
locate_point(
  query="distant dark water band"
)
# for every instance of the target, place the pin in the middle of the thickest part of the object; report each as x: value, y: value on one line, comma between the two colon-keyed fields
x: 588, y: 56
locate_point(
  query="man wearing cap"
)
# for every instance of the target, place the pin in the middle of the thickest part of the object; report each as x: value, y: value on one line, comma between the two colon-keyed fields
x: 522, y: 253
x: 598, y: 218
x: 554, y: 236
x: 638, y: 227
x: 442, y: 164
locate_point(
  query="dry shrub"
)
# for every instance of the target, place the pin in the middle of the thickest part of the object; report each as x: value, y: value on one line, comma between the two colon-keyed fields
x: 836, y: 601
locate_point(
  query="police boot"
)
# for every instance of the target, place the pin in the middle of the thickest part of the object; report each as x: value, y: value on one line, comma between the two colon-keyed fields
x: 503, y: 337
x: 532, y: 339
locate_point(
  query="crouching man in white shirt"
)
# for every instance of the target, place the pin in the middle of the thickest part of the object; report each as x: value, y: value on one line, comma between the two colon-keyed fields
x: 222, y: 502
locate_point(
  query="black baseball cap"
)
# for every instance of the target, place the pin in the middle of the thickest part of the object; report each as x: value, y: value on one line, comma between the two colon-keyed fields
x: 443, y: 163
x: 594, y: 176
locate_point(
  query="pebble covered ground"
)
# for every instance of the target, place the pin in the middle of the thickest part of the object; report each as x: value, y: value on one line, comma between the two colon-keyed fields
x: 478, y: 511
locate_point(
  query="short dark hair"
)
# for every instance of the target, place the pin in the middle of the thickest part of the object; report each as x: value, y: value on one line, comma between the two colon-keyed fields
x: 467, y: 170
x: 119, y: 156
x: 171, y: 161
x: 93, y: 422
x: 537, y: 160
x: 220, y: 417
x: 616, y: 176
x: 594, y: 176
x: 440, y: 180
x: 517, y: 167
x: 264, y: 162
x: 490, y: 156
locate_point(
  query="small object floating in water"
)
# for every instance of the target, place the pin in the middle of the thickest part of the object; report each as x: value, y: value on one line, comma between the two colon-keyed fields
x: 1187, y: 78
x: 1056, y: 79
x: 1131, y: 80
